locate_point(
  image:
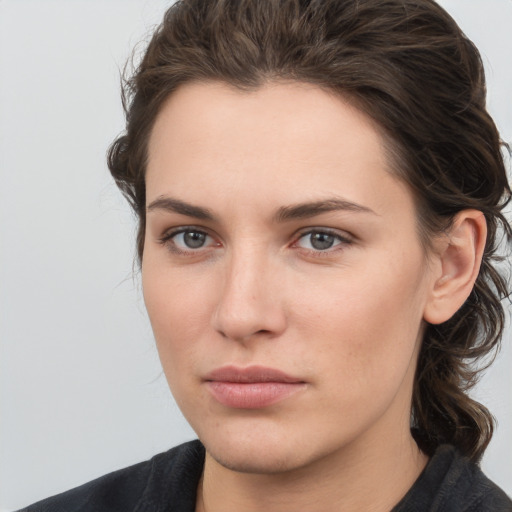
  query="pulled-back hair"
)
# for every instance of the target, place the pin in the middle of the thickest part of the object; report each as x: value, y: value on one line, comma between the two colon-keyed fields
x: 408, y: 66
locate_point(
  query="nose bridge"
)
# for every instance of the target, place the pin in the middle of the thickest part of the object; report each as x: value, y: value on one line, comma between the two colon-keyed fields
x: 249, y: 303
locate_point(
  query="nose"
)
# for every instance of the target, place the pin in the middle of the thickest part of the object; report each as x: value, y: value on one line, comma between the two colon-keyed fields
x: 250, y: 303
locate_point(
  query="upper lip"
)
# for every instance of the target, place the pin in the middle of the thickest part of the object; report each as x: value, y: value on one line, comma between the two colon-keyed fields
x: 250, y: 374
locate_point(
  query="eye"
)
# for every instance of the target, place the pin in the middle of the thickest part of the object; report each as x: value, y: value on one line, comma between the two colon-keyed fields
x: 185, y: 240
x: 321, y: 240
x: 190, y: 239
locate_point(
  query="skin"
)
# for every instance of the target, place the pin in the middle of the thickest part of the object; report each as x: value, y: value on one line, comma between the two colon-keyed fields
x: 347, y: 320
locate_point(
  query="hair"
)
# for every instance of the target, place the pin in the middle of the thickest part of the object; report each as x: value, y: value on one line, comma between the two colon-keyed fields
x: 408, y: 66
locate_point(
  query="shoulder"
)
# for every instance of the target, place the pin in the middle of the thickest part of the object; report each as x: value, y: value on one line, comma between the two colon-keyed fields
x: 452, y: 483
x: 155, y: 484
x: 467, y: 485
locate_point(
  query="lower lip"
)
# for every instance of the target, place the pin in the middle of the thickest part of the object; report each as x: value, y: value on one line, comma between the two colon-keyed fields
x: 252, y: 395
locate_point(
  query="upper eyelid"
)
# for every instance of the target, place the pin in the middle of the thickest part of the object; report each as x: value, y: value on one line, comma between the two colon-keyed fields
x: 170, y: 232
x: 167, y: 240
x: 343, y: 235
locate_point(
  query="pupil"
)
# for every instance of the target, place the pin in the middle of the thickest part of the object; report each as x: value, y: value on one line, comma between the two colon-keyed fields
x: 322, y: 241
x: 193, y: 239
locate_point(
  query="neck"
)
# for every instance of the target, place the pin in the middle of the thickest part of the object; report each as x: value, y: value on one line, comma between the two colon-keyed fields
x: 343, y: 480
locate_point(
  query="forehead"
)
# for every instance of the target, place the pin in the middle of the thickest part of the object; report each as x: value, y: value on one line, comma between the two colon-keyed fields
x: 281, y: 143
x: 297, y: 106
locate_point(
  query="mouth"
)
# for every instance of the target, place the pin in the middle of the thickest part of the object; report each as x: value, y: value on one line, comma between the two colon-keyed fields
x: 254, y: 387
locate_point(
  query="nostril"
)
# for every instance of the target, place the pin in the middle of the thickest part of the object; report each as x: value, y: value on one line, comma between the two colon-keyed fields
x: 246, y: 336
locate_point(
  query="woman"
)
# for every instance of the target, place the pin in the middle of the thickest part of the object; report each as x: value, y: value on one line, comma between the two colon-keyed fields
x: 319, y: 191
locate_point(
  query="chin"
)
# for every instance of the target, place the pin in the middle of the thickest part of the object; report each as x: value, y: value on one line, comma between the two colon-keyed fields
x: 254, y: 459
x: 261, y: 452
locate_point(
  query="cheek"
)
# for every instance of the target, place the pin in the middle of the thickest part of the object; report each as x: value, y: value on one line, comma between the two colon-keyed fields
x: 366, y: 327
x: 179, y: 311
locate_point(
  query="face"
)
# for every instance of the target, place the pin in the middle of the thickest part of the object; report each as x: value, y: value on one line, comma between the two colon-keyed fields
x: 282, y: 273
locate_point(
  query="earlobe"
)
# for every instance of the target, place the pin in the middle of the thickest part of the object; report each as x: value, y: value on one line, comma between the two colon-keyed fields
x: 459, y: 256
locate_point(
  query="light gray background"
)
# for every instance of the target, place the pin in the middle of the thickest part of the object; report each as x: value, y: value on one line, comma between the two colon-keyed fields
x: 82, y: 392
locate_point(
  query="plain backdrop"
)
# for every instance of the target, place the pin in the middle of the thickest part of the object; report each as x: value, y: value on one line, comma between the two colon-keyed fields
x: 81, y: 389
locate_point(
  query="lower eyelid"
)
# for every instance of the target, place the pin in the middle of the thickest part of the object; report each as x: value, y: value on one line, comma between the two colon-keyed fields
x: 168, y: 241
x: 341, y: 243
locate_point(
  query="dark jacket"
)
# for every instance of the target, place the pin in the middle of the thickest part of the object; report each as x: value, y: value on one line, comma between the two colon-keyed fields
x: 168, y: 483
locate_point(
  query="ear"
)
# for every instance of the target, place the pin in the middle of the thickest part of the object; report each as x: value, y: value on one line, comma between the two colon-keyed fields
x: 458, y: 255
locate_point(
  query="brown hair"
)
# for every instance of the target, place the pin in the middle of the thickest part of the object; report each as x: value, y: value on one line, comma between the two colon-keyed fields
x: 407, y: 65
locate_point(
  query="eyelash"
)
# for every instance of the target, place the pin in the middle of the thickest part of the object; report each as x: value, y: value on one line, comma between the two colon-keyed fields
x: 342, y: 240
x: 167, y: 239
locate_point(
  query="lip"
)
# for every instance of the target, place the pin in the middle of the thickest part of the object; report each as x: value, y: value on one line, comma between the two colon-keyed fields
x: 254, y: 387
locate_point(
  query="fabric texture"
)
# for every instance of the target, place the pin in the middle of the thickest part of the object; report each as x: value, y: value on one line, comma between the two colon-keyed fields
x: 168, y: 483
x: 451, y: 483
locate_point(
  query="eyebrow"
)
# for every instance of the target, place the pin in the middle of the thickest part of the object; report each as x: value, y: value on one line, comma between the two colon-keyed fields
x: 306, y: 210
x: 283, y: 214
x: 170, y: 204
